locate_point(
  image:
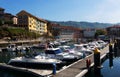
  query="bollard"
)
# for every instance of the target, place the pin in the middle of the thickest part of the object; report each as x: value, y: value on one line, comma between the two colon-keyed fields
x: 115, y: 48
x: 110, y: 51
x: 110, y: 48
x: 97, y: 63
x: 111, y: 54
x: 54, y: 69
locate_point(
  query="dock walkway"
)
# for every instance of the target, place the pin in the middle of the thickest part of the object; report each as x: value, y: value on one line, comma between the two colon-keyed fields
x: 78, y: 69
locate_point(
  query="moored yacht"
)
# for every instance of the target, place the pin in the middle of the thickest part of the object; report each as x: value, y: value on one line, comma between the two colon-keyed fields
x: 36, y: 62
x: 59, y: 54
x: 70, y: 50
x: 81, y: 48
x: 11, y: 47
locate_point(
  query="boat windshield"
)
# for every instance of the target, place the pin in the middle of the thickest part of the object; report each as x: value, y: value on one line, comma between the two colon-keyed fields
x: 53, y: 51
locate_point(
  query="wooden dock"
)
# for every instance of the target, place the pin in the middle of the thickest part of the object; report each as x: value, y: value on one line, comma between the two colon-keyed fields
x: 76, y: 69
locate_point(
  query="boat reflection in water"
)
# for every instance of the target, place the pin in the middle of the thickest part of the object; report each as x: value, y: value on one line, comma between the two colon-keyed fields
x: 111, y: 60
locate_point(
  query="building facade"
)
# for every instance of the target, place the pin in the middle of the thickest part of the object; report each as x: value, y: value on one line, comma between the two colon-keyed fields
x: 15, y: 20
x: 89, y: 33
x: 31, y: 22
x: 113, y: 31
x: 5, y: 17
x: 1, y: 13
x: 67, y: 32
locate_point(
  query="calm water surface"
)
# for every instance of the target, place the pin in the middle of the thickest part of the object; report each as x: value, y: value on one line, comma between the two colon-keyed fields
x: 8, y: 73
x: 108, y: 70
x: 4, y: 58
x: 113, y: 71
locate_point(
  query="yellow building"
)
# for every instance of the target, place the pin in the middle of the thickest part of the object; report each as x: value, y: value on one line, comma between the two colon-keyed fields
x: 31, y: 22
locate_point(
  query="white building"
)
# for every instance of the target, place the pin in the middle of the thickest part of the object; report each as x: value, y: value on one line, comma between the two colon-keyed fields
x: 89, y: 33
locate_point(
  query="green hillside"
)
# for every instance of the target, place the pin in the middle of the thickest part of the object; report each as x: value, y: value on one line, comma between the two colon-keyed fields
x: 84, y: 24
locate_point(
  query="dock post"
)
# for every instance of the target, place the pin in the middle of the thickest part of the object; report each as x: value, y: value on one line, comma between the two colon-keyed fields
x: 111, y: 55
x: 54, y: 69
x: 115, y: 48
x: 110, y: 51
x: 110, y: 48
x: 97, y: 63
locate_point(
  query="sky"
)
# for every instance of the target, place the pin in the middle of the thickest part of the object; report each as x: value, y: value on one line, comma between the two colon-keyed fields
x: 103, y: 11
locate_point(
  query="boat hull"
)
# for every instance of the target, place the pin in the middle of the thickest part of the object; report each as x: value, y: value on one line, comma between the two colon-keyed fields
x: 37, y: 65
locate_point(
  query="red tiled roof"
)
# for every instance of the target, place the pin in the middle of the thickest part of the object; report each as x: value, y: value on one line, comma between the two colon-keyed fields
x: 1, y: 8
x: 65, y: 27
x: 114, y: 26
x: 32, y: 16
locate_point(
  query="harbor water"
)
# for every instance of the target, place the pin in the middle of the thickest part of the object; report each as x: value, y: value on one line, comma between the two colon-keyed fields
x: 8, y: 73
x: 4, y: 58
x: 109, y: 69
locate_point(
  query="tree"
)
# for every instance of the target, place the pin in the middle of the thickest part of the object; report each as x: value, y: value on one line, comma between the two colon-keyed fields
x: 100, y: 32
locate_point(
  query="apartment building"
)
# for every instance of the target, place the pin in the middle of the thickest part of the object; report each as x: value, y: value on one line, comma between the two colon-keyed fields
x: 5, y: 17
x: 31, y: 22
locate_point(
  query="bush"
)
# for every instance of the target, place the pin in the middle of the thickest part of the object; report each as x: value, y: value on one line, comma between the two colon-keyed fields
x: 18, y: 33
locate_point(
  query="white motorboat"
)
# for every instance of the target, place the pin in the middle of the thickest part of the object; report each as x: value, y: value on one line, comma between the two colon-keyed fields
x: 59, y: 54
x: 64, y: 48
x: 95, y: 44
x: 11, y: 47
x: 70, y: 50
x: 101, y: 42
x: 81, y: 48
x: 35, y: 62
x: 68, y: 57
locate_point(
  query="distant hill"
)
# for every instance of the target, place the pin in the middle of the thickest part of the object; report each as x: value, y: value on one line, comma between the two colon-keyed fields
x: 84, y: 24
